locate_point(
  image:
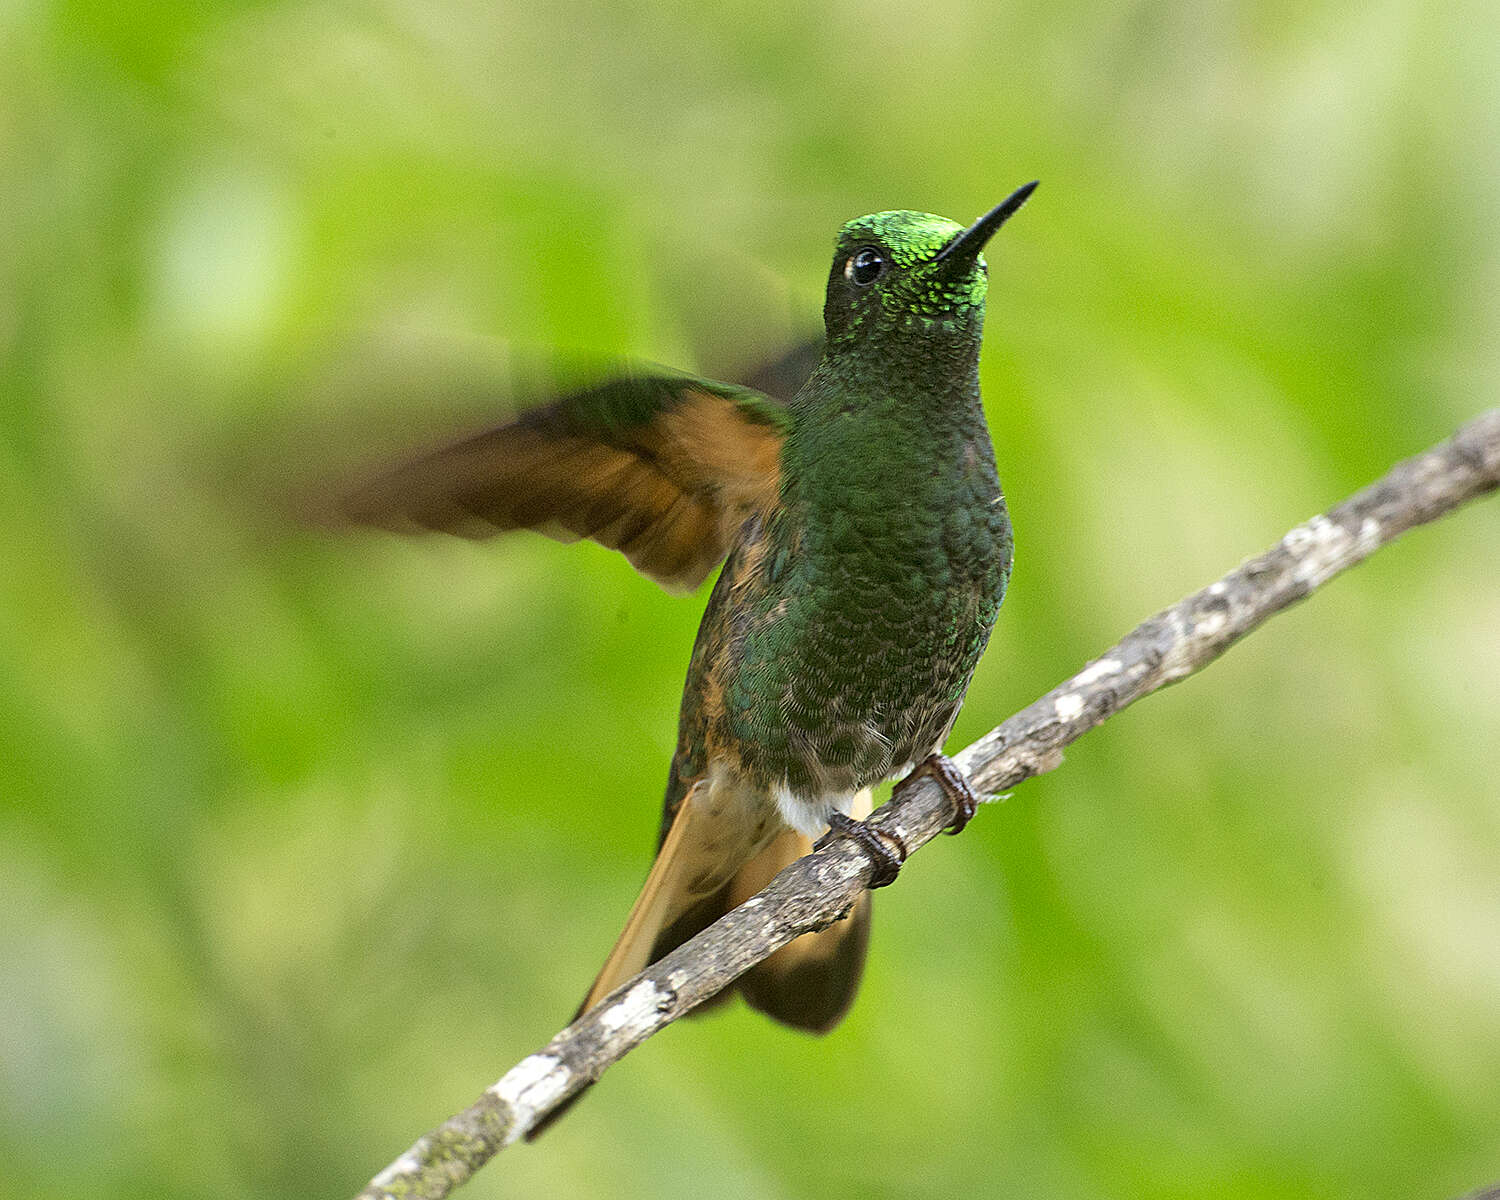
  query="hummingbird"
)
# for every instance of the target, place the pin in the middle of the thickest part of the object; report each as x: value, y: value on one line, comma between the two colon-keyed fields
x: 866, y: 550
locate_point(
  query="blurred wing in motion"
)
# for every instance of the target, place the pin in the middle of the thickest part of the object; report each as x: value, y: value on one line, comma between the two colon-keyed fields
x: 784, y: 376
x: 663, y: 468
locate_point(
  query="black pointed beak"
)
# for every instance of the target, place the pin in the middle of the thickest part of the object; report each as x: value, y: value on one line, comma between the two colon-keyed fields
x: 971, y: 241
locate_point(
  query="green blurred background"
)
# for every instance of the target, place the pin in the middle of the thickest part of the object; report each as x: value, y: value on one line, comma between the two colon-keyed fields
x: 305, y: 839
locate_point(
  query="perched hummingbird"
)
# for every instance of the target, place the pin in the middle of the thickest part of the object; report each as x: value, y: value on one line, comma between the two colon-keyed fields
x: 867, y: 550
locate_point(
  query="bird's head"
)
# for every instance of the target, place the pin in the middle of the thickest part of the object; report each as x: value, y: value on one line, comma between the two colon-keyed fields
x: 901, y: 273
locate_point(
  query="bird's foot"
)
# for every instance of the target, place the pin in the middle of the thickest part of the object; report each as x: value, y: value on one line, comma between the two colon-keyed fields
x: 877, y: 843
x: 955, y: 785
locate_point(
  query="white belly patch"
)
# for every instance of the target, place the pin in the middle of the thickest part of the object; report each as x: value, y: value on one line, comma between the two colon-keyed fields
x: 808, y: 815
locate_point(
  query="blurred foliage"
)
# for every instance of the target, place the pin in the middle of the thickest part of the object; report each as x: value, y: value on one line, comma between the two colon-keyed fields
x: 305, y: 839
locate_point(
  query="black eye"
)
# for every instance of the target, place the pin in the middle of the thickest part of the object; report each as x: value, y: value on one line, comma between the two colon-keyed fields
x: 865, y: 266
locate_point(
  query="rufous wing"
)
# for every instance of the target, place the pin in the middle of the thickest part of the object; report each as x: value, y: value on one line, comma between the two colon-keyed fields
x: 663, y: 468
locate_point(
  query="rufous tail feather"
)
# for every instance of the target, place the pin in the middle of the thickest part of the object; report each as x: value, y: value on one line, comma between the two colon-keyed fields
x: 809, y: 983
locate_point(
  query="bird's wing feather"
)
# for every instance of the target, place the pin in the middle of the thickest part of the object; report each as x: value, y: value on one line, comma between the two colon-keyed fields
x: 664, y: 468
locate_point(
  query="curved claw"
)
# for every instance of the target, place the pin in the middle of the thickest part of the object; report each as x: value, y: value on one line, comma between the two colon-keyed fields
x: 877, y: 843
x: 955, y: 785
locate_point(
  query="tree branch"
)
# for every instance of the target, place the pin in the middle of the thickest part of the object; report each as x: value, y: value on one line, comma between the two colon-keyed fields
x: 816, y: 890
